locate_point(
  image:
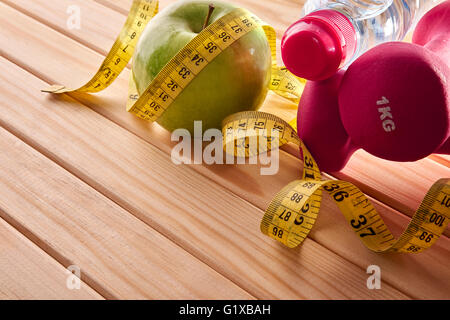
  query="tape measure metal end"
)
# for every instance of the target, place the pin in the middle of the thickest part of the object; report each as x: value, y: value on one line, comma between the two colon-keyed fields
x: 56, y: 89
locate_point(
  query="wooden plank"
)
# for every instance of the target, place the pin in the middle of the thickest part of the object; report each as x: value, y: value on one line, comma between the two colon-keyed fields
x: 404, y: 191
x: 90, y: 33
x: 403, y: 195
x: 284, y: 12
x: 119, y: 256
x: 27, y: 272
x: 442, y: 159
x: 121, y: 6
x: 401, y: 185
x: 407, y: 183
x: 243, y: 180
x: 202, y: 217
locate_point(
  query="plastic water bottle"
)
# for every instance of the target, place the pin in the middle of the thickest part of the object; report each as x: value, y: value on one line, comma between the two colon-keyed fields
x: 333, y: 33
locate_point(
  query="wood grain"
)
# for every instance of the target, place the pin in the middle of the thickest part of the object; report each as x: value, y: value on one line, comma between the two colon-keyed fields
x: 442, y: 159
x: 283, y: 12
x: 331, y: 231
x: 245, y: 180
x: 196, y: 213
x: 27, y: 272
x: 120, y: 256
x: 408, y: 182
x: 55, y: 14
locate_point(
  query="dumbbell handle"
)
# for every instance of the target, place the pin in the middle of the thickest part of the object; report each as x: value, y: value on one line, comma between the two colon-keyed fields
x: 433, y: 31
x: 445, y: 148
x: 440, y: 44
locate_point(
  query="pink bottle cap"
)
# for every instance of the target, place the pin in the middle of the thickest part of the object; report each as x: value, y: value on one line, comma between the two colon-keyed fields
x: 318, y: 45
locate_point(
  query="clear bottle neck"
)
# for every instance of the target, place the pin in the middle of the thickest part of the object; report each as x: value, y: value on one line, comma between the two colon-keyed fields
x: 357, y: 9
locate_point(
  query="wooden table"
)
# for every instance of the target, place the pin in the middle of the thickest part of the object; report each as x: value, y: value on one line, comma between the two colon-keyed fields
x: 83, y: 183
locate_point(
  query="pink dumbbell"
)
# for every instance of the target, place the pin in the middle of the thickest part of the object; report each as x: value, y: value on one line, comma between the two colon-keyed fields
x: 393, y: 102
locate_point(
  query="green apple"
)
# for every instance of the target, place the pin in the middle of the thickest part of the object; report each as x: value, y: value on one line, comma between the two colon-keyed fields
x: 236, y: 80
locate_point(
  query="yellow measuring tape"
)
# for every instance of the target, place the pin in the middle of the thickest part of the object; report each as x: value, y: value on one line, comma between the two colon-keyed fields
x: 120, y: 54
x: 184, y: 67
x: 292, y: 213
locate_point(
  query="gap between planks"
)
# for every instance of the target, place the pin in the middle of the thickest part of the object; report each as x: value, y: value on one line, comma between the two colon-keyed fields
x: 270, y: 247
x: 334, y: 209
x: 28, y: 272
x: 373, y: 192
x: 359, y: 158
x: 197, y: 274
x: 348, y: 174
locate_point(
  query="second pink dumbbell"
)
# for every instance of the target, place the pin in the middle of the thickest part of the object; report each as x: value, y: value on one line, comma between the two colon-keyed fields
x: 393, y: 102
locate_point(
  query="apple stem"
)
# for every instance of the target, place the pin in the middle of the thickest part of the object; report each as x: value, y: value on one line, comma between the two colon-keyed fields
x: 211, y: 9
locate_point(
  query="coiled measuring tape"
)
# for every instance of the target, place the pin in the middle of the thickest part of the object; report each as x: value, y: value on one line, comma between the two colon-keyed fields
x: 189, y: 61
x: 293, y: 212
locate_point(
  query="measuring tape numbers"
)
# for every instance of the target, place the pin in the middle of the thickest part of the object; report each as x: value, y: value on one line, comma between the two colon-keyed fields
x: 120, y: 54
x: 182, y: 69
x: 294, y: 210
